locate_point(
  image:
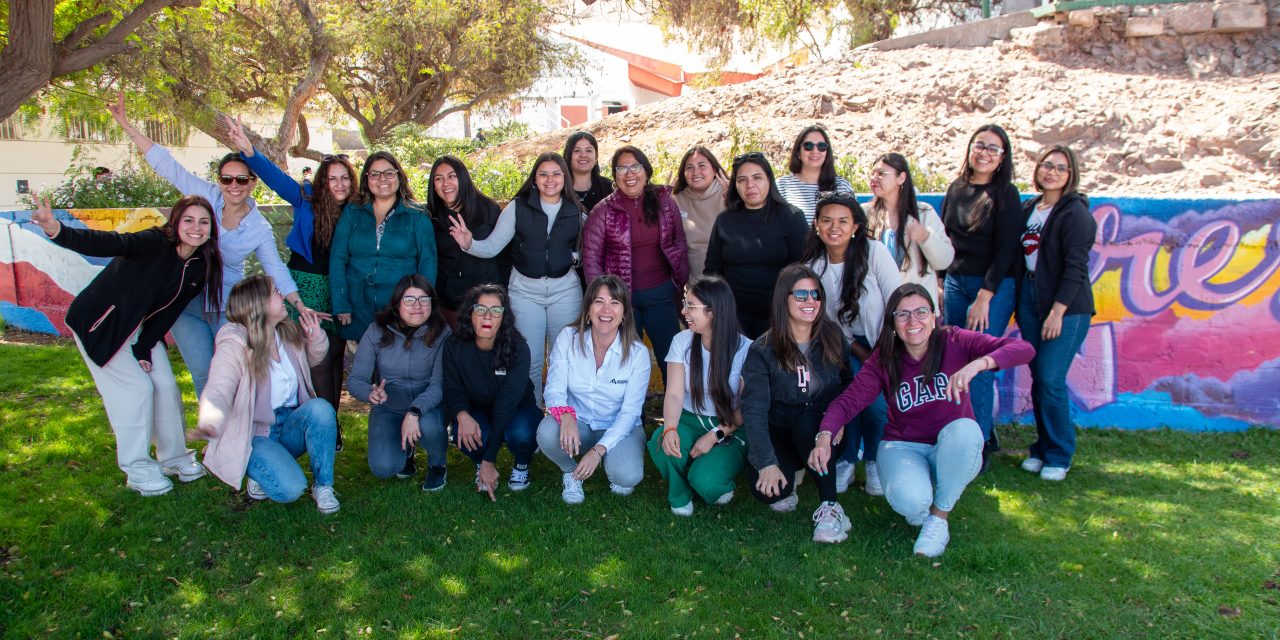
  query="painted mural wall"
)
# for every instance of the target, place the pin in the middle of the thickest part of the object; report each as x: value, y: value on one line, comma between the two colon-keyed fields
x: 1187, y: 333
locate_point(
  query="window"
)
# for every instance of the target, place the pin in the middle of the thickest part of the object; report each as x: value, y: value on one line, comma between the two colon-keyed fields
x: 81, y: 130
x: 10, y: 129
x: 169, y: 135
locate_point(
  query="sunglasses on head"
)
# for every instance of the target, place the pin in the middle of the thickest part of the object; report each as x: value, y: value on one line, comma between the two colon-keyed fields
x: 810, y: 146
x: 331, y: 158
x: 803, y: 295
x: 753, y: 156
x: 240, y: 180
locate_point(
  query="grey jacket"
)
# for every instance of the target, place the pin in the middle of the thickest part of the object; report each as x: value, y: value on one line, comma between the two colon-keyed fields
x: 414, y: 376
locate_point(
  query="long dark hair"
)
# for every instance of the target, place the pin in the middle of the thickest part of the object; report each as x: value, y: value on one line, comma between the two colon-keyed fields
x: 733, y: 200
x: 681, y: 183
x: 388, y: 317
x: 825, y: 334
x: 1002, y: 177
x: 327, y: 210
x: 530, y: 184
x: 508, y: 340
x: 856, y: 256
x: 403, y: 194
x: 827, y: 174
x: 208, y: 251
x: 1073, y: 175
x: 617, y: 289
x: 908, y: 207
x: 892, y: 349
x: 471, y: 202
x: 650, y: 197
x: 571, y: 142
x: 714, y: 292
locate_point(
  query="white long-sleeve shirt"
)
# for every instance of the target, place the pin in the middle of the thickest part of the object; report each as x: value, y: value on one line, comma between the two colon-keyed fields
x: 610, y: 398
x: 881, y: 281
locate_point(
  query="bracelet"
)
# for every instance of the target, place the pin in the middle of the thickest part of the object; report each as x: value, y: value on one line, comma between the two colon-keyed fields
x: 559, y: 412
x: 667, y: 429
x: 599, y: 446
x: 819, y: 435
x: 993, y: 366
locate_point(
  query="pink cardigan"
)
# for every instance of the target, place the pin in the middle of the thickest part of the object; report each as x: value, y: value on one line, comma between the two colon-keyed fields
x: 228, y: 402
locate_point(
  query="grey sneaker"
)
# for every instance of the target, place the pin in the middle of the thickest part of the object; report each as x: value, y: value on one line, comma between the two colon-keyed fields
x: 874, y: 488
x: 844, y: 476
x: 686, y: 510
x: 1054, y: 474
x: 326, y: 499
x: 151, y: 488
x: 189, y: 471
x: 519, y: 480
x: 786, y: 505
x: 572, y: 493
x: 1033, y: 465
x: 829, y: 523
x: 934, y: 536
x: 254, y: 490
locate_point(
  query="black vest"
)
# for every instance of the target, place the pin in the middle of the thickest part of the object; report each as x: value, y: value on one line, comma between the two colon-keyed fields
x: 538, y: 254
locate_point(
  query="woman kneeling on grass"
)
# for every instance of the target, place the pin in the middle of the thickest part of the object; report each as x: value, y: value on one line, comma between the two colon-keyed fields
x: 259, y: 410
x: 404, y: 345
x: 932, y: 446
x: 119, y: 322
x: 697, y: 449
x: 595, y: 393
x: 792, y: 373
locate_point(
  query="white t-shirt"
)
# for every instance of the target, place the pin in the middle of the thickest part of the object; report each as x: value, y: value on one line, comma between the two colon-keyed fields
x: 1031, y: 236
x: 680, y: 352
x: 284, y: 380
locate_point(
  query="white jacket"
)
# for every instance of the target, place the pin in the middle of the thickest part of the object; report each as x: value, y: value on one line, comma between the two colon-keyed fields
x: 936, y: 252
x: 609, y: 399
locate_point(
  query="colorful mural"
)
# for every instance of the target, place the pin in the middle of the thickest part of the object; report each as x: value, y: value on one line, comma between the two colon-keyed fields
x: 1187, y: 333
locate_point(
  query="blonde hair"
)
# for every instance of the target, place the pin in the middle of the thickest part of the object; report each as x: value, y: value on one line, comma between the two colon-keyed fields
x: 247, y: 306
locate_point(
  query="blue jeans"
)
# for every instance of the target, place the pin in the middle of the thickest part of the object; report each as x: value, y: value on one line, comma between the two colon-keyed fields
x: 918, y: 476
x: 194, y: 335
x: 520, y: 436
x: 1050, y: 404
x: 386, y: 456
x: 960, y: 292
x: 311, y: 429
x: 657, y: 316
x: 867, y: 428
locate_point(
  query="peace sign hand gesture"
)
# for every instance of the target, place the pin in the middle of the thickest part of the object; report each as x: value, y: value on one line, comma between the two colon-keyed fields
x: 235, y: 130
x: 459, y: 231
x: 43, y: 216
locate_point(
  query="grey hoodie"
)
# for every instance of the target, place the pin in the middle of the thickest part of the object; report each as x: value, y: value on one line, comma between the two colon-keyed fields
x: 414, y: 376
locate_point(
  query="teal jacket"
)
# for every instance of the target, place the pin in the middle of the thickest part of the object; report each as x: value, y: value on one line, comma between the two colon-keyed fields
x: 362, y: 273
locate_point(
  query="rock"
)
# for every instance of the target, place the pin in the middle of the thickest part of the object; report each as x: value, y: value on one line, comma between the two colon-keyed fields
x: 986, y: 102
x: 1233, y: 18
x: 1191, y: 17
x: 1165, y: 165
x: 1144, y: 27
x: 1041, y: 36
x: 1213, y: 179
x: 1083, y: 18
x: 703, y: 110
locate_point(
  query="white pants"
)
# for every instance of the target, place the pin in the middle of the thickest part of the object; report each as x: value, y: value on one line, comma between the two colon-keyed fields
x: 142, y: 408
x: 543, y: 307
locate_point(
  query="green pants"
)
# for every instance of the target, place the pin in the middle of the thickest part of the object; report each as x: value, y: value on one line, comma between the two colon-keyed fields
x: 710, y: 474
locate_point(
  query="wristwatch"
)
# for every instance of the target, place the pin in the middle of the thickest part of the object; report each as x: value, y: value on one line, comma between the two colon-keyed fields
x: 721, y: 436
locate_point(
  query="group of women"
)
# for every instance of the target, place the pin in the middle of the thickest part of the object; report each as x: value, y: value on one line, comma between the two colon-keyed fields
x: 800, y: 329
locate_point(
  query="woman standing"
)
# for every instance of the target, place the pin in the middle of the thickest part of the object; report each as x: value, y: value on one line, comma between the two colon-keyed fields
x: 699, y: 190
x: 1055, y: 303
x: 243, y: 230
x: 544, y: 222
x: 698, y: 449
x: 792, y: 373
x: 382, y: 236
x: 911, y: 229
x: 932, y: 446
x: 487, y: 398
x: 454, y: 193
x: 260, y: 412
x: 860, y: 276
x: 583, y: 155
x: 636, y: 234
x: 119, y: 321
x: 757, y: 235
x: 813, y: 171
x: 403, y: 345
x: 982, y: 212
x: 595, y: 394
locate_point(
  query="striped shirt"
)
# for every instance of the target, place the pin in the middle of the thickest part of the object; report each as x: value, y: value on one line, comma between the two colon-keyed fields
x: 804, y: 196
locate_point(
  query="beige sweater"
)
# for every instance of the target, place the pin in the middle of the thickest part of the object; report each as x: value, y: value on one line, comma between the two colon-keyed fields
x: 700, y: 213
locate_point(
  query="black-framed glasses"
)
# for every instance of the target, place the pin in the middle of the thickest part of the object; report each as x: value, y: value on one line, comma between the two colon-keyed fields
x: 383, y: 175
x: 754, y: 156
x: 989, y: 149
x: 811, y: 145
x: 919, y: 313
x: 1047, y: 166
x: 803, y: 295
x: 415, y: 301
x: 331, y: 158
x: 495, y: 311
x: 240, y: 180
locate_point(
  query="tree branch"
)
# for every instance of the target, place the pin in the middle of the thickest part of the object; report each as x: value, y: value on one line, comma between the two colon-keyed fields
x: 81, y: 58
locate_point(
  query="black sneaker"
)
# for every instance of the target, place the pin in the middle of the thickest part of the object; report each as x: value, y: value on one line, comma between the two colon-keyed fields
x: 410, y: 468
x: 338, y: 446
x: 435, y: 478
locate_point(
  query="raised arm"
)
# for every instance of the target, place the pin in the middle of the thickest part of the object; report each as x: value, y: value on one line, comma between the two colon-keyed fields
x: 503, y: 231
x: 271, y: 175
x: 118, y: 112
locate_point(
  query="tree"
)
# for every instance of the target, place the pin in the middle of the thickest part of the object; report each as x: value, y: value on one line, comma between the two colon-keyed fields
x: 45, y: 40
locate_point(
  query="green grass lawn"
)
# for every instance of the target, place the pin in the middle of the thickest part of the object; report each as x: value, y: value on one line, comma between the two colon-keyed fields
x: 1155, y: 535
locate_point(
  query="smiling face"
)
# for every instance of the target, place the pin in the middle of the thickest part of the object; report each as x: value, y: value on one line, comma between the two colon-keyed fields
x: 606, y: 312
x: 275, y: 308
x: 235, y: 194
x: 630, y: 176
x: 414, y: 315
x: 384, y: 180
x: 550, y: 181
x: 985, y: 153
x: 195, y: 223
x: 486, y: 324
x: 752, y: 184
x: 699, y: 173
x: 914, y: 332
x: 813, y: 158
x: 1053, y: 172
x: 583, y: 159
x: 835, y: 227
x: 805, y: 312
x: 445, y: 181
x: 696, y: 315
x: 885, y: 180
x: 339, y: 180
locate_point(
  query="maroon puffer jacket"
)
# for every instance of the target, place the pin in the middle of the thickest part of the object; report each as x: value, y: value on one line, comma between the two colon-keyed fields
x: 606, y: 240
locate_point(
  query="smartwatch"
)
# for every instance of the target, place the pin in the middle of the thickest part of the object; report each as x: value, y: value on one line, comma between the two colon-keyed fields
x: 720, y: 436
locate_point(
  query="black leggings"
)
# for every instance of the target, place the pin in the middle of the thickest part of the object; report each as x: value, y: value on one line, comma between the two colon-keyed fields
x: 791, y: 446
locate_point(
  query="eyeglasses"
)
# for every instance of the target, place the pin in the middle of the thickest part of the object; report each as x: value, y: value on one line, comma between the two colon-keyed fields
x: 630, y: 168
x: 989, y: 149
x: 919, y: 313
x: 240, y: 180
x: 331, y: 158
x: 881, y: 173
x: 1047, y: 166
x: 688, y: 305
x: 415, y: 301
x: 543, y: 175
x: 810, y: 146
x: 754, y: 156
x: 383, y: 175
x: 494, y: 311
x: 803, y: 295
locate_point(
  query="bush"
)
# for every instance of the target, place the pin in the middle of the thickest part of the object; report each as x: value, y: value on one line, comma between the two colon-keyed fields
x: 124, y: 189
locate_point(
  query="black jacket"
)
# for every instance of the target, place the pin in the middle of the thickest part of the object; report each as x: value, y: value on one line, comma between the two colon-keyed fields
x: 1062, y: 266
x: 457, y: 271
x: 473, y: 383
x: 537, y: 254
x: 772, y: 397
x: 147, y: 284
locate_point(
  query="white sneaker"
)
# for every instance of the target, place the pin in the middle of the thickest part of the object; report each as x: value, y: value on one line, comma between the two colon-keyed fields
x: 686, y: 510
x: 254, y: 489
x: 844, y: 476
x: 151, y: 488
x: 1034, y: 465
x: 786, y: 505
x: 726, y: 498
x: 621, y: 490
x: 829, y: 523
x: 934, y: 536
x: 874, y: 488
x: 572, y: 493
x: 326, y: 499
x: 1054, y: 474
x: 190, y: 471
x: 519, y: 480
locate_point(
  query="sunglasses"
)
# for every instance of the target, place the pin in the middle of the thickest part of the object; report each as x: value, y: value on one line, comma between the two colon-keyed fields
x: 331, y: 158
x: 415, y: 301
x: 803, y: 295
x: 240, y: 180
x: 810, y: 146
x: 754, y: 156
x: 494, y: 311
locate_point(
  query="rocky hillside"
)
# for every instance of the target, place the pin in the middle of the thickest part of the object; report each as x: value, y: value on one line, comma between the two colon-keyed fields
x: 1197, y: 114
